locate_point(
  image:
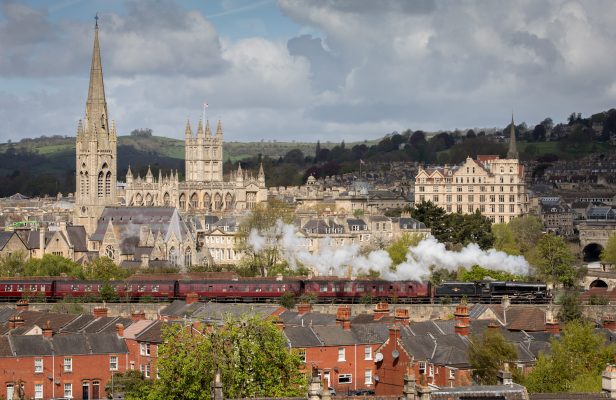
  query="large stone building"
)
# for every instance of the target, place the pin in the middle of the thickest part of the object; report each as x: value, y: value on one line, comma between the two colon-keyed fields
x: 491, y: 185
x: 204, y: 189
x: 96, y: 148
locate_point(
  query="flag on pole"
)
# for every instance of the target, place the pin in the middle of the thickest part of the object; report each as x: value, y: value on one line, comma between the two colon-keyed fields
x: 361, y: 162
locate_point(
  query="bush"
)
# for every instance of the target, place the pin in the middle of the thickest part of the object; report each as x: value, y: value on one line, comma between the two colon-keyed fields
x: 597, y: 300
x: 287, y: 300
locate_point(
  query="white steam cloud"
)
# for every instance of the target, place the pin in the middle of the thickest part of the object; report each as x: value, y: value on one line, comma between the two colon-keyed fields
x: 332, y: 259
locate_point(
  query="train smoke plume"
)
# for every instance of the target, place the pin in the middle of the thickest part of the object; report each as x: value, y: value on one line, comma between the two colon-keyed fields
x: 331, y: 259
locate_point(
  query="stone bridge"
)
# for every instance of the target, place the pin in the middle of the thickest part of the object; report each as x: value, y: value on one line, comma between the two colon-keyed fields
x: 597, y: 278
x: 593, y: 237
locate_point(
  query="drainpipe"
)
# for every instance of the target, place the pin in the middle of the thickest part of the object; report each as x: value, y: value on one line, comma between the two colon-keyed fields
x: 355, y: 380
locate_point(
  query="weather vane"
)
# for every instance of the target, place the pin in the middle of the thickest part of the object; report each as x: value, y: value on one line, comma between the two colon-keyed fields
x: 96, y: 19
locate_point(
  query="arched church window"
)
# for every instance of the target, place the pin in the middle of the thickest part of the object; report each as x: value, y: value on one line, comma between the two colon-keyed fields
x: 187, y: 257
x: 100, y: 184
x: 194, y: 202
x: 148, y: 200
x: 82, y: 183
x: 138, y: 200
x: 108, y: 183
x: 87, y: 179
x: 173, y: 256
x: 167, y: 200
x: 229, y: 201
x: 183, y: 201
x: 207, y: 202
x: 217, y: 202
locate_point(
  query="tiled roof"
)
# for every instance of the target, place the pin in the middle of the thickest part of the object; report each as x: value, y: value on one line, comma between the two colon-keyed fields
x: 312, y: 318
x: 301, y: 336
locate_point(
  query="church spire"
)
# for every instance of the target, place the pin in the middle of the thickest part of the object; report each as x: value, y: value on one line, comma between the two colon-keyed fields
x: 96, y: 105
x: 512, y: 153
x: 219, y: 130
x: 188, y: 131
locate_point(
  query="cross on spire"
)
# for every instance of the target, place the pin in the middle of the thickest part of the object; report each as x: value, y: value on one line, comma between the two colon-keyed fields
x: 96, y: 20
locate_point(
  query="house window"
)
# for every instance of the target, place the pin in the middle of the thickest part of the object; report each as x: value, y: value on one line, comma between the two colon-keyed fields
x: 145, y: 349
x: 345, y: 378
x: 341, y: 354
x: 431, y: 371
x: 145, y: 370
x: 422, y: 367
x: 68, y: 390
x: 452, y: 373
x: 38, y: 390
x: 301, y: 353
x: 113, y: 363
x: 368, y: 353
x: 68, y: 364
x: 38, y: 365
x: 368, y: 377
x: 132, y: 365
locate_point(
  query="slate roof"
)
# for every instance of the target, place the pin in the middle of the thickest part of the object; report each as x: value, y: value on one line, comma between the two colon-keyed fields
x: 77, y: 237
x: 366, y: 318
x: 179, y: 309
x: 4, y: 238
x: 67, y: 344
x: 311, y: 318
x: 56, y: 320
x: 410, y: 223
x: 153, y: 332
x: 370, y: 333
x: 136, y: 328
x: 301, y: 336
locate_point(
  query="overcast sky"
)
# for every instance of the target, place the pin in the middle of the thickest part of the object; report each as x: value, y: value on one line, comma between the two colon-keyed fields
x: 306, y: 70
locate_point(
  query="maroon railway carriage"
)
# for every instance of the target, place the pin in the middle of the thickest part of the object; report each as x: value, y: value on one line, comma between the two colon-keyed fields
x: 156, y: 290
x: 345, y: 290
x: 240, y: 289
x: 12, y: 289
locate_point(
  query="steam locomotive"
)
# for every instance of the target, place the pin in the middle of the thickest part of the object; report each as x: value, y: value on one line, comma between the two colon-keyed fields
x: 225, y: 287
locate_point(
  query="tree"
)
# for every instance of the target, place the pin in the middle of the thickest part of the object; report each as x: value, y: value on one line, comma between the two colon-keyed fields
x: 130, y: 383
x: 52, y: 265
x: 504, y: 239
x: 570, y: 307
x: 487, y: 354
x: 608, y: 254
x: 575, y: 362
x: 108, y: 293
x: 554, y: 261
x: 250, y: 353
x: 259, y: 236
x: 104, y: 268
x: 400, y: 247
x: 527, y: 230
x: 12, y: 264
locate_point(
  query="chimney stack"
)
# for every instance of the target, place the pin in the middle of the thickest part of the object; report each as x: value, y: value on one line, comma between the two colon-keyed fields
x: 504, y: 377
x: 608, y: 381
x: 402, y: 316
x: 47, y: 331
x: 99, y: 312
x: 394, y: 333
x: 137, y: 315
x: 191, y: 298
x: 343, y: 317
x: 278, y: 323
x: 551, y: 323
x: 304, y: 308
x: 22, y: 305
x: 381, y: 310
x: 120, y: 330
x: 462, y: 319
x: 16, y: 321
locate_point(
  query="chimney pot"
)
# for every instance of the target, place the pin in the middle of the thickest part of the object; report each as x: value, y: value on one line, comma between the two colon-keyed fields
x: 137, y: 315
x: 304, y: 308
x: 99, y: 312
x: 192, y: 298
x: 47, y: 331
x: 120, y: 330
x: 381, y: 310
x: 22, y: 305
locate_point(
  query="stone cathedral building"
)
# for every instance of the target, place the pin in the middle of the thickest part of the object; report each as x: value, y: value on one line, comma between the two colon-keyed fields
x: 204, y: 190
x: 96, y: 152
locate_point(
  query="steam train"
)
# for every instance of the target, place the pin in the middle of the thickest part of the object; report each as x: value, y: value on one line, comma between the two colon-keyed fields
x: 225, y: 287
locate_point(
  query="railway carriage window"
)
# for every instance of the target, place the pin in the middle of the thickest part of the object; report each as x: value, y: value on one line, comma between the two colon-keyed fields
x: 381, y: 288
x: 8, y: 288
x: 269, y: 288
x: 230, y: 288
x: 410, y: 288
x: 323, y: 287
x: 210, y: 288
x: 142, y: 288
x: 373, y: 288
x: 257, y: 289
x: 348, y: 287
x: 391, y: 288
x: 43, y: 288
x: 360, y: 287
x: 154, y: 288
x: 74, y: 288
x: 33, y: 288
x: 284, y: 288
x: 20, y: 288
x: 88, y: 288
x: 247, y: 289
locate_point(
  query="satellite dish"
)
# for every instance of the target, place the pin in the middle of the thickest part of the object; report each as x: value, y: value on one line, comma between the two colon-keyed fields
x: 376, y: 378
x: 395, y: 354
x: 378, y: 357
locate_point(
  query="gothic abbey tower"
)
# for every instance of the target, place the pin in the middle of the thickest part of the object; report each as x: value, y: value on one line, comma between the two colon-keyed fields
x: 96, y: 148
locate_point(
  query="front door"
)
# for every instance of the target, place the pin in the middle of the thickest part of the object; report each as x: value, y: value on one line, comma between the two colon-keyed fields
x: 10, y: 391
x: 96, y: 390
x: 85, y: 391
x: 326, y: 375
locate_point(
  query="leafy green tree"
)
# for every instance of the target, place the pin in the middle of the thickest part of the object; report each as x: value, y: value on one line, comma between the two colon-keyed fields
x: 487, y: 354
x: 527, y: 230
x: 431, y: 215
x: 553, y: 260
x: 263, y: 220
x: 575, y: 362
x: 250, y: 353
x: 608, y: 254
x: 504, y: 239
x: 52, y: 265
x: 468, y: 228
x: 131, y: 383
x: 570, y: 307
x: 108, y: 293
x: 104, y: 268
x: 478, y: 273
x: 400, y: 247
x: 287, y: 300
x: 12, y: 264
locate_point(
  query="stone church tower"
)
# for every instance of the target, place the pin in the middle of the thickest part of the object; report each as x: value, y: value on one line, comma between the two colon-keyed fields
x: 96, y: 148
